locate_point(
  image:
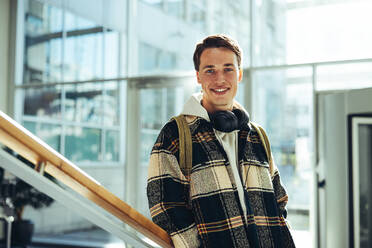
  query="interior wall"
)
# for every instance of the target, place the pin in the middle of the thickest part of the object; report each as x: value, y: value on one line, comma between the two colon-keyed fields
x: 4, y: 54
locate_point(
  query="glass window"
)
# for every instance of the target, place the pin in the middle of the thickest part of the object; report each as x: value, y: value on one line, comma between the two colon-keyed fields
x: 61, y: 46
x: 344, y: 76
x: 83, y: 144
x: 43, y: 102
x: 84, y: 56
x: 74, y: 22
x: 111, y: 54
x: 112, y: 145
x: 49, y: 133
x: 83, y: 103
x: 282, y: 104
x: 43, y: 43
x: 176, y: 8
x: 155, y: 3
x: 155, y: 60
x: 198, y: 16
x: 157, y: 106
x: 269, y: 36
x: 152, y: 112
x: 111, y: 104
x: 171, y: 46
x: 330, y: 36
x: 147, y: 58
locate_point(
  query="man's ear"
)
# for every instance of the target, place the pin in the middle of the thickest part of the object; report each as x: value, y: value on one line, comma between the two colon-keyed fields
x: 240, y: 75
x: 197, y: 77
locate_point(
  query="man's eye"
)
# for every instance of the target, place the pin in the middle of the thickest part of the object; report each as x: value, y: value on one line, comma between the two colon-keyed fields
x: 209, y: 71
x: 229, y: 69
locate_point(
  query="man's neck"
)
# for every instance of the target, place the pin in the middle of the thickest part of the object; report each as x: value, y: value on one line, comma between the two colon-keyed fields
x: 213, y: 109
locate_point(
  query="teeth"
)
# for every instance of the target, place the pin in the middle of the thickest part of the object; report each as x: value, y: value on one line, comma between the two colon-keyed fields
x: 220, y: 90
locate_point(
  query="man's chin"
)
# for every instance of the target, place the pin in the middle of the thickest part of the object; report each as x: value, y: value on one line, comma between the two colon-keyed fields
x: 222, y: 106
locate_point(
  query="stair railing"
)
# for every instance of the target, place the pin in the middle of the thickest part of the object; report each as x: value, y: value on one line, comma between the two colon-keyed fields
x: 46, y: 159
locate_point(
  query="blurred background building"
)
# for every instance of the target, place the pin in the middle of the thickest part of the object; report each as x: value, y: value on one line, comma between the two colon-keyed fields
x: 97, y: 79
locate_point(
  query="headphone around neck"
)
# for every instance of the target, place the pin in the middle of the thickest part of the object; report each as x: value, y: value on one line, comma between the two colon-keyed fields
x: 228, y: 121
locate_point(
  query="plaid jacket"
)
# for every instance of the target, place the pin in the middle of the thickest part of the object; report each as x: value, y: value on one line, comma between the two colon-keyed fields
x: 205, y: 211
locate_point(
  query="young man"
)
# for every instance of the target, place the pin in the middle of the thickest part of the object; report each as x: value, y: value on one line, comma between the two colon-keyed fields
x: 233, y: 198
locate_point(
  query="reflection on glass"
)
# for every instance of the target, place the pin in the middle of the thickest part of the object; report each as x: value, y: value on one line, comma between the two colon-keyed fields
x: 111, y: 54
x: 157, y: 106
x: 43, y: 43
x: 365, y: 174
x: 143, y: 206
x: 83, y: 144
x: 344, y: 76
x: 111, y: 104
x: 155, y: 3
x: 112, y: 146
x: 269, y: 44
x: 151, y: 108
x: 83, y: 56
x: 198, y: 18
x: 284, y: 109
x: 152, y: 59
x: 44, y: 102
x: 330, y: 36
x: 74, y: 22
x: 49, y: 133
x: 42, y: 18
x: 84, y: 103
x: 148, y: 138
x: 176, y: 8
x: 240, y: 93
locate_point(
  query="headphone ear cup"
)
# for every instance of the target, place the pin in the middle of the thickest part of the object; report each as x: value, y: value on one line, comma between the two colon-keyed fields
x: 224, y: 121
x: 242, y: 116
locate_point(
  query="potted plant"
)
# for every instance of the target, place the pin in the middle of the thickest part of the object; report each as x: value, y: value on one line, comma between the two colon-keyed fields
x: 19, y: 195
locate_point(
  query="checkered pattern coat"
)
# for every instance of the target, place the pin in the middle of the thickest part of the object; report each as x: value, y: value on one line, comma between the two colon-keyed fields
x: 205, y: 211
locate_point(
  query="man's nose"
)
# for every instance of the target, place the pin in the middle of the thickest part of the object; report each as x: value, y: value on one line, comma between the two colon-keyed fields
x: 220, y: 77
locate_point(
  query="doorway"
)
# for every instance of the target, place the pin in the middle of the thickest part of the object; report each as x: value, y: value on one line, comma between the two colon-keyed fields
x: 360, y: 171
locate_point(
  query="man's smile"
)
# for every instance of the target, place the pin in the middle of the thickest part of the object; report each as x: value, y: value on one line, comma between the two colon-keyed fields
x: 220, y: 91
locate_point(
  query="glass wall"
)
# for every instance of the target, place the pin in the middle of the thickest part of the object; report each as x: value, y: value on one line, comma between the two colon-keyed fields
x: 169, y: 30
x: 74, y: 99
x: 268, y: 32
x: 157, y: 106
x: 330, y: 36
x: 283, y: 105
x: 340, y: 76
x: 63, y: 47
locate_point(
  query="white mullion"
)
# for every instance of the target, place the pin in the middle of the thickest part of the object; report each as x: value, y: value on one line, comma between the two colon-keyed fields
x: 122, y: 95
x: 122, y: 124
x: 164, y: 94
x: 63, y: 87
x: 69, y: 123
x: 132, y: 151
x: 103, y: 128
x: 16, y: 55
x: 104, y: 94
x: 314, y: 209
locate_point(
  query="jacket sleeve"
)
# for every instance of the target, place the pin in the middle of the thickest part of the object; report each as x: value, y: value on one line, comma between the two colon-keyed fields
x: 167, y: 192
x: 279, y: 190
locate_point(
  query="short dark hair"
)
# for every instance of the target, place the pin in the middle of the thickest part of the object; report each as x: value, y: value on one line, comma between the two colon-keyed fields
x: 216, y: 41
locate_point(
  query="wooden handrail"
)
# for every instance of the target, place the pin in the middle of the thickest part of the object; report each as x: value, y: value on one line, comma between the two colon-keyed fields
x: 16, y: 137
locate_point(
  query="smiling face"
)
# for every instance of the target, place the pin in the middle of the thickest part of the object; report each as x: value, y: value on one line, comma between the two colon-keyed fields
x: 219, y: 76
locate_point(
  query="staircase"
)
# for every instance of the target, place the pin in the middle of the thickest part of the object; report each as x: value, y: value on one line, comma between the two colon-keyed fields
x: 89, y: 199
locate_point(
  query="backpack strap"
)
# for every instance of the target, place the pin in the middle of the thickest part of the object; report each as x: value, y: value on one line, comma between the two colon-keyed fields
x: 265, y: 142
x: 185, y: 145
